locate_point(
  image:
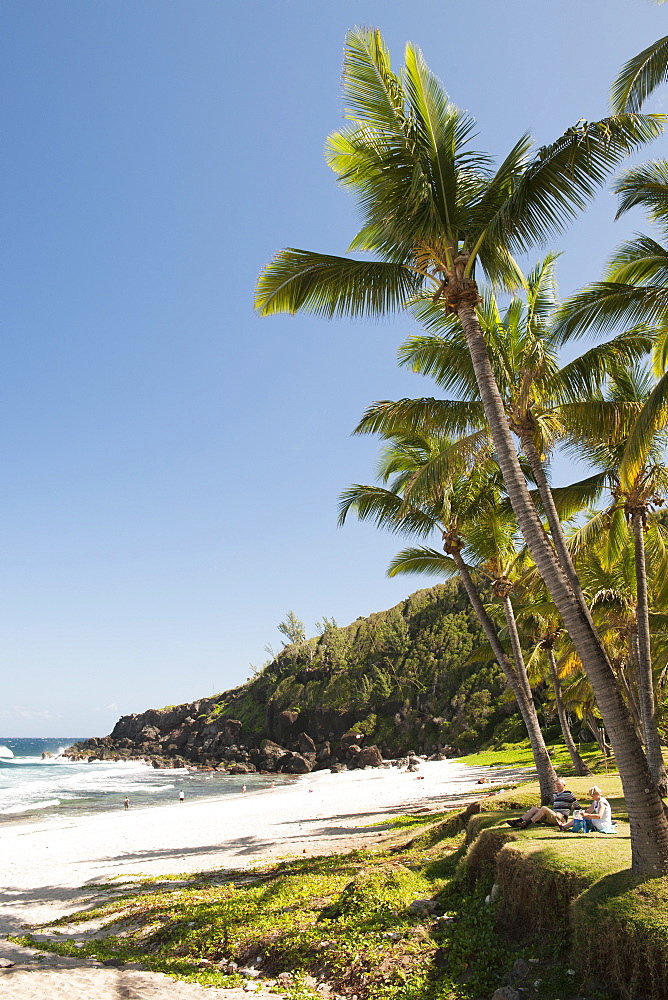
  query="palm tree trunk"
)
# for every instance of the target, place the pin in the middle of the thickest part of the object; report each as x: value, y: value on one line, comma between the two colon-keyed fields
x: 631, y: 687
x: 578, y: 763
x: 647, y: 814
x: 597, y: 733
x: 546, y: 774
x: 553, y: 519
x: 647, y: 705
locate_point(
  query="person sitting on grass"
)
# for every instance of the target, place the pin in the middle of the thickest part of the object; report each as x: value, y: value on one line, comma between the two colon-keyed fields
x: 599, y: 815
x: 563, y: 802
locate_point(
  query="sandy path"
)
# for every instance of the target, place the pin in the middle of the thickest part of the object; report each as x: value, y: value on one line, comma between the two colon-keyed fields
x: 55, y: 978
x: 45, y: 867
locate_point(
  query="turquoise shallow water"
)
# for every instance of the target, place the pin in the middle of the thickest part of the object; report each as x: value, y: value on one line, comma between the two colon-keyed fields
x: 32, y: 787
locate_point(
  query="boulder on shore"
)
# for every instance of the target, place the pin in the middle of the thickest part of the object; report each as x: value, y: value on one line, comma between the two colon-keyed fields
x: 242, y: 769
x: 294, y: 763
x: 369, y: 757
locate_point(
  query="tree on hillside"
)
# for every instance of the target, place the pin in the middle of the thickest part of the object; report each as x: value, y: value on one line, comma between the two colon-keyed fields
x: 436, y: 214
x: 292, y: 628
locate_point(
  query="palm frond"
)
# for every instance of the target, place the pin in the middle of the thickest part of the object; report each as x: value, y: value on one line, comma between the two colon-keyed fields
x: 328, y: 286
x: 640, y: 76
x: 652, y: 417
x: 385, y: 509
x: 565, y: 175
x: 640, y: 261
x: 615, y: 540
x: 585, y: 375
x: 433, y: 417
x: 583, y: 539
x: 484, y: 652
x: 442, y: 132
x: 541, y: 290
x: 496, y: 193
x: 422, y: 560
x: 570, y: 500
x: 604, y: 305
x: 372, y: 92
x: 445, y: 360
x: 596, y: 423
x: 457, y: 458
x: 645, y: 185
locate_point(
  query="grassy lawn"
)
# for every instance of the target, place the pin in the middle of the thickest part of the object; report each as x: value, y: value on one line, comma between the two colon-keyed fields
x: 519, y: 755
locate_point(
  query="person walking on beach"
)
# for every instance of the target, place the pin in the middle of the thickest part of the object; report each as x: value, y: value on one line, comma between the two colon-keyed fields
x: 126, y: 803
x: 181, y: 796
x: 563, y: 802
x: 243, y: 789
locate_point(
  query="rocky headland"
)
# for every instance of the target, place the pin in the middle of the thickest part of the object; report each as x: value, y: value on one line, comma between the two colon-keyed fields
x: 396, y: 684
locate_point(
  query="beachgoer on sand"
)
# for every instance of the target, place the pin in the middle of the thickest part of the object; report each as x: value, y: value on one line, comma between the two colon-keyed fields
x: 126, y: 803
x: 182, y: 796
x: 563, y: 802
x: 243, y: 789
x: 598, y: 816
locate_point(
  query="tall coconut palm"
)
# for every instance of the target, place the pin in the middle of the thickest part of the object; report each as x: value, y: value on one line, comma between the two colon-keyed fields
x: 436, y: 215
x: 466, y: 509
x: 632, y: 499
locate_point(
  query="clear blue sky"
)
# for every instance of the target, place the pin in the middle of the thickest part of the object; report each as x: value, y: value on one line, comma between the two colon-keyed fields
x: 170, y: 462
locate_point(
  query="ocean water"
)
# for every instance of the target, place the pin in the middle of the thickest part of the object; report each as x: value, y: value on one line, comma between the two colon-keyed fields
x: 35, y: 788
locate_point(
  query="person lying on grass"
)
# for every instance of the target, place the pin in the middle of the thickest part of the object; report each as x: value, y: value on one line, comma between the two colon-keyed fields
x: 563, y: 802
x: 599, y: 815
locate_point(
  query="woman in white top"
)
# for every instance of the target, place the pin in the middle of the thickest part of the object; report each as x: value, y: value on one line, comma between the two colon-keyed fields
x: 599, y: 815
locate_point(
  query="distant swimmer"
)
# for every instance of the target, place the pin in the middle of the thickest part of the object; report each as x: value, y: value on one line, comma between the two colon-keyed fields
x: 182, y: 796
x: 126, y: 803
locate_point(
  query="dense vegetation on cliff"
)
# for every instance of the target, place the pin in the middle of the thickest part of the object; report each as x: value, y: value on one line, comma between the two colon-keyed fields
x: 402, y: 677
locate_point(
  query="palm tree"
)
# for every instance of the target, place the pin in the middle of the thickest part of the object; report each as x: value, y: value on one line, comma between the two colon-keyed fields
x: 436, y: 214
x: 544, y: 629
x: 633, y: 498
x: 467, y: 510
x: 540, y: 398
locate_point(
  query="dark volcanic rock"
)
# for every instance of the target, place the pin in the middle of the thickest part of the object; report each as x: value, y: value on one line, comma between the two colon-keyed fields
x: 306, y: 744
x: 294, y: 763
x: 270, y: 754
x: 230, y: 731
x: 242, y: 769
x: 370, y: 757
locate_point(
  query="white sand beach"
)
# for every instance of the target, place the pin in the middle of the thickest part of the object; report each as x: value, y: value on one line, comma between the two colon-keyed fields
x: 46, y: 866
